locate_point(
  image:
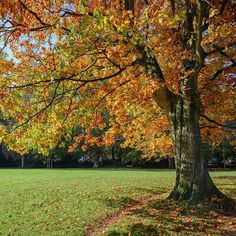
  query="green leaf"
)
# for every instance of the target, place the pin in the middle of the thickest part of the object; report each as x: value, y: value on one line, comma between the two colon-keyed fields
x: 62, y: 65
x: 82, y: 9
x: 58, y: 48
x: 97, y: 13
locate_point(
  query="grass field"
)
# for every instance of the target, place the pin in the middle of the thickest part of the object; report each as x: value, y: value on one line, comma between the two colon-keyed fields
x: 70, y: 201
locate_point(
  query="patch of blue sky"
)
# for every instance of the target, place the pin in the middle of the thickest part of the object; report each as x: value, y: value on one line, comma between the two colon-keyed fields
x: 7, y: 51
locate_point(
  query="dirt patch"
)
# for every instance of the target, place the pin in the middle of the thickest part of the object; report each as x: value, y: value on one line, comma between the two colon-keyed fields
x: 113, y: 218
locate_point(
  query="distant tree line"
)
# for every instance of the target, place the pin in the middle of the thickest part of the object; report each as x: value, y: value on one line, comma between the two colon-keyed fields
x: 113, y: 156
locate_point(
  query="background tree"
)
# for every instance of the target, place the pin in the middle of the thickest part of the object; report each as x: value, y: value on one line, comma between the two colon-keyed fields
x: 75, y: 59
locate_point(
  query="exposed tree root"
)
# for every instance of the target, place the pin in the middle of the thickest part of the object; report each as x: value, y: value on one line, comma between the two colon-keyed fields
x: 215, y: 200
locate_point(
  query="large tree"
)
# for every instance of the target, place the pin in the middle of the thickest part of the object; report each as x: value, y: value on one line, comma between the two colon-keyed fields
x: 76, y: 61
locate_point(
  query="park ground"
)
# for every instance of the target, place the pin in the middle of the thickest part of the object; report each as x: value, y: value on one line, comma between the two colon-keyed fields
x: 105, y: 202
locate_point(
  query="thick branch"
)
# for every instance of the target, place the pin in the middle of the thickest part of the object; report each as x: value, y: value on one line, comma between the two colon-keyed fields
x: 188, y: 22
x: 217, y: 123
x: 72, y: 77
x: 172, y: 3
x: 198, y: 48
x: 220, y: 71
x: 164, y: 99
x: 33, y: 13
x: 223, y: 6
x: 3, y: 121
x: 219, y: 49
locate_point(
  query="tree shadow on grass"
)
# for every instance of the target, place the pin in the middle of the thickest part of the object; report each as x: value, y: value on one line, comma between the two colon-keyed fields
x: 227, y: 184
x: 180, y: 217
x: 164, y: 217
x: 137, y: 229
x: 120, y: 202
x: 125, y: 201
x: 153, y: 191
x: 226, y: 177
x: 230, y: 190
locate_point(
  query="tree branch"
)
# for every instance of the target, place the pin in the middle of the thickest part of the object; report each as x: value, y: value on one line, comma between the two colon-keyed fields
x: 40, y: 111
x: 219, y: 49
x: 71, y: 77
x: 110, y: 92
x: 223, y: 6
x: 220, y: 71
x: 172, y: 3
x: 217, y: 123
x: 198, y: 48
x: 33, y: 13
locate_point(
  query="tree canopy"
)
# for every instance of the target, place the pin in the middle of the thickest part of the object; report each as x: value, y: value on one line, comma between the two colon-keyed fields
x: 149, y: 66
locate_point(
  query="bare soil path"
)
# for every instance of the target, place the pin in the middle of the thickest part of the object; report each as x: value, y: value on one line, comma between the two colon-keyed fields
x: 113, y: 218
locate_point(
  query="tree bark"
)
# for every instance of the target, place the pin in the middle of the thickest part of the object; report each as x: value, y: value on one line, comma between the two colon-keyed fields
x: 171, y: 163
x: 22, y: 161
x: 49, y: 163
x: 113, y: 154
x: 95, y: 162
x: 193, y: 181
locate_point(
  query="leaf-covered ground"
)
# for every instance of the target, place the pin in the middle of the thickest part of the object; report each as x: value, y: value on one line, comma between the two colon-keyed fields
x: 76, y: 201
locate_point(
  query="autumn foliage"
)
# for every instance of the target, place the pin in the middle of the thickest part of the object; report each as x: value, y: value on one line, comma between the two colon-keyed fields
x: 161, y: 74
x: 74, y: 60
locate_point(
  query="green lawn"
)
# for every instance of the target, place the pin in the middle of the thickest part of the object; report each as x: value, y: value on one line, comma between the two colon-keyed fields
x: 66, y: 201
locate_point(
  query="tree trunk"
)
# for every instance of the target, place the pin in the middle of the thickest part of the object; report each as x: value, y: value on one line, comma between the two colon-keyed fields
x: 95, y: 162
x: 171, y: 163
x: 22, y: 161
x: 193, y: 181
x: 113, y: 153
x: 49, y: 162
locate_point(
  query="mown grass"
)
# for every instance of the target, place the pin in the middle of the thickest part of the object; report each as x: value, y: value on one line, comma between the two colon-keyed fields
x: 64, y: 202
x: 164, y: 217
x: 67, y: 201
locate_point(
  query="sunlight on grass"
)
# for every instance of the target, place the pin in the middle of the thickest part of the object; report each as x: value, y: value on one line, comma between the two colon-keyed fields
x: 65, y: 202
